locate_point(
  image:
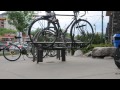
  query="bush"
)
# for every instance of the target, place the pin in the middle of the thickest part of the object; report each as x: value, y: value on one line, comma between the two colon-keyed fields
x: 85, y: 50
x: 90, y: 48
x: 4, y: 31
x: 103, y: 45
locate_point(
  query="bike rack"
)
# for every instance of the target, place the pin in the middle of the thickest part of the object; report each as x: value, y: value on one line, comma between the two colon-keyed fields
x: 70, y: 45
x: 59, y: 46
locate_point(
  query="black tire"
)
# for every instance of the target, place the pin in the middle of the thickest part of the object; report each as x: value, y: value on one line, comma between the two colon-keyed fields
x: 45, y: 53
x: 47, y: 36
x: 82, y: 31
x: 52, y: 53
x: 117, y: 57
x: 12, y: 52
x: 29, y: 51
x: 41, y: 24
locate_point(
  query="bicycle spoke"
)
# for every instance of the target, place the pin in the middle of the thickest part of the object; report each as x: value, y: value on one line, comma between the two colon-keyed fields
x: 82, y: 31
x: 44, y: 32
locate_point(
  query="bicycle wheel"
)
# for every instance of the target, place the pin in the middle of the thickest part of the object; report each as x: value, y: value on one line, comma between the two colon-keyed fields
x: 45, y: 53
x: 29, y: 50
x: 117, y: 57
x: 52, y: 53
x: 12, y: 52
x: 82, y: 31
x: 48, y: 37
x: 39, y: 26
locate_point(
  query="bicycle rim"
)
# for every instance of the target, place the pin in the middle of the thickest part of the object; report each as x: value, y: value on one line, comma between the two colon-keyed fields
x: 82, y: 31
x: 38, y: 26
x: 12, y: 52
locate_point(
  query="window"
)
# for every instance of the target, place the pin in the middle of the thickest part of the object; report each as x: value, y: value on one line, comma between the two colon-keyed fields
x: 2, y: 22
x: 2, y: 26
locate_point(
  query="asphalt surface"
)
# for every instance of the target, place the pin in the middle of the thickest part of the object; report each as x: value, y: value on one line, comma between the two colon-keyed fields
x: 51, y: 68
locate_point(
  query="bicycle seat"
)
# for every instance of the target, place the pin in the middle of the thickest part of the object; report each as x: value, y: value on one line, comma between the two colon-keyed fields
x: 46, y: 17
x: 17, y: 37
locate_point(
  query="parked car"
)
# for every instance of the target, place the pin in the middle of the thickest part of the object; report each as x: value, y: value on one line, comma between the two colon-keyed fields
x: 25, y: 45
x: 22, y: 45
x: 17, y: 44
x: 3, y: 44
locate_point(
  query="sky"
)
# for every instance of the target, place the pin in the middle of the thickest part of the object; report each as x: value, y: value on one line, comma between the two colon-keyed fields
x: 94, y: 17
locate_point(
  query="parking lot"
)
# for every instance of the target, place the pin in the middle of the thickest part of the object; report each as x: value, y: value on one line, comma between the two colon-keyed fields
x: 51, y: 68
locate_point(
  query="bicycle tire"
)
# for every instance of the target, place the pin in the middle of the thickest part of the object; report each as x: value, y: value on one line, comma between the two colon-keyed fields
x: 82, y: 37
x: 44, y: 21
x: 52, y: 53
x: 29, y: 51
x: 11, y: 49
x: 117, y: 57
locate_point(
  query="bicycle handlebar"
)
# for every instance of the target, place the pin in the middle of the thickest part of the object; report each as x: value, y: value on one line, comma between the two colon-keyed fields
x: 76, y: 13
x: 83, y: 14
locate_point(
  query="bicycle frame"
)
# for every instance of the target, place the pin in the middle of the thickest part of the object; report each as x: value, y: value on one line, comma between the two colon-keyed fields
x: 58, y: 24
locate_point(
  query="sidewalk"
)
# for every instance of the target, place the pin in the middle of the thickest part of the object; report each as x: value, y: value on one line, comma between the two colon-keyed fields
x: 51, y: 68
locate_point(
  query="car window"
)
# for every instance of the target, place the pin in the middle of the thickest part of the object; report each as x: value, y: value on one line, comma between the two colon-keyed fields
x: 2, y: 43
x: 25, y: 45
x: 16, y: 43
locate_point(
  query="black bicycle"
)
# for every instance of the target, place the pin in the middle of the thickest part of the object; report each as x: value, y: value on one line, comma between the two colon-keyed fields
x: 50, y: 30
x: 13, y: 52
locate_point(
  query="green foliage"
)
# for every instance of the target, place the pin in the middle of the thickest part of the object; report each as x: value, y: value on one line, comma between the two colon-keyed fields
x: 102, y: 45
x: 85, y: 50
x: 33, y: 32
x: 20, y: 19
x: 97, y: 38
x: 4, y: 31
x: 86, y: 36
x: 67, y: 35
x: 90, y: 48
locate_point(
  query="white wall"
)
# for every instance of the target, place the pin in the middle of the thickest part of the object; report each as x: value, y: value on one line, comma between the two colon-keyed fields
x: 6, y: 24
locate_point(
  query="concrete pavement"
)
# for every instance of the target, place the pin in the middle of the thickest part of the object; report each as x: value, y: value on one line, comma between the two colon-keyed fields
x: 51, y: 68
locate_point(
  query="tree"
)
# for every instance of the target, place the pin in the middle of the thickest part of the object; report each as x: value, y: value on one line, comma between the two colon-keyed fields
x: 20, y: 19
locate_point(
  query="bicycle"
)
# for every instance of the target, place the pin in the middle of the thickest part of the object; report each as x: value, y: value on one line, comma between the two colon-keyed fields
x: 12, y: 52
x: 78, y: 32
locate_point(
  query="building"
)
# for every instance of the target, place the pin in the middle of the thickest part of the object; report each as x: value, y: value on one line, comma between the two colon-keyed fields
x: 4, y: 22
x: 113, y: 26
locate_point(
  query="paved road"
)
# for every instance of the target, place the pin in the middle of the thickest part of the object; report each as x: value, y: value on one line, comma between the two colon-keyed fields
x: 51, y: 68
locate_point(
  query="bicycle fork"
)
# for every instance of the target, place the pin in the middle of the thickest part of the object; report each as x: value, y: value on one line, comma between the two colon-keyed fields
x: 63, y: 39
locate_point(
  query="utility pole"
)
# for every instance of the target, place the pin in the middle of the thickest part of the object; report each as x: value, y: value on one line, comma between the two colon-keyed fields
x: 95, y: 28
x: 102, y: 28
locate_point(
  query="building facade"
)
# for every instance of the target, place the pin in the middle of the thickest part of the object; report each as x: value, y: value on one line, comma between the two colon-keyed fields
x: 4, y: 22
x: 113, y: 26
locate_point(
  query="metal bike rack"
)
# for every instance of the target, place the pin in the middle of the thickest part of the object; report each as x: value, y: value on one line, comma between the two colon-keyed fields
x: 39, y: 46
x: 60, y: 44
